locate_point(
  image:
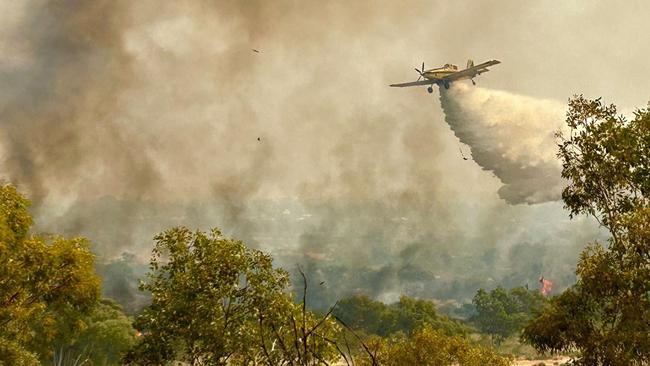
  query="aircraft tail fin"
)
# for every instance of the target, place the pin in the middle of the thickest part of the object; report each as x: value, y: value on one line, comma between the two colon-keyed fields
x: 470, y: 63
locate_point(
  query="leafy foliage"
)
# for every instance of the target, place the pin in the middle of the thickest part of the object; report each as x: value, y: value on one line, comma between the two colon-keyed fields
x: 407, y: 315
x: 364, y: 313
x: 606, y: 315
x: 501, y: 313
x: 47, y: 284
x: 214, y: 301
x: 427, y: 346
x: 14, y: 354
x: 105, y: 339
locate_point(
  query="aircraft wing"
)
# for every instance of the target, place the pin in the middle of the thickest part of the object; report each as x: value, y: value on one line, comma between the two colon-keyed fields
x: 472, y: 71
x: 416, y: 83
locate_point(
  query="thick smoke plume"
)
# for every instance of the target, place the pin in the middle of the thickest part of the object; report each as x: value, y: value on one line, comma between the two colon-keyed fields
x: 511, y: 135
x: 60, y: 130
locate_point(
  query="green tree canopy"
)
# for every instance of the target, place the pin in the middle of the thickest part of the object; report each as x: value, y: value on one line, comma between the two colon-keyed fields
x: 363, y: 313
x: 606, y: 315
x: 108, y: 335
x: 47, y: 284
x: 214, y: 301
x: 502, y: 313
x: 406, y: 315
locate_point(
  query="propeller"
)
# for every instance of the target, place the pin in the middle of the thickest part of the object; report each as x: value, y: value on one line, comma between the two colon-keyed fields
x: 421, y: 72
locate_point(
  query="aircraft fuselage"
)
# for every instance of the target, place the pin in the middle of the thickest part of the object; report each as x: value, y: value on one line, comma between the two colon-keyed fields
x: 441, y: 72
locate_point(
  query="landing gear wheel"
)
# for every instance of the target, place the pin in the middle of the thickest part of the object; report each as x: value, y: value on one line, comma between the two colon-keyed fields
x: 446, y: 85
x: 430, y: 90
x: 473, y: 82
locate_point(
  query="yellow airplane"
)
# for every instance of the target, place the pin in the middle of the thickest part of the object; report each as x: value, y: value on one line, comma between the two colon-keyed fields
x: 448, y: 73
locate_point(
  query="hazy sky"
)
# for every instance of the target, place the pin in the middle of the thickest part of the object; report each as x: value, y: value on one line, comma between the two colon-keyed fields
x: 122, y: 118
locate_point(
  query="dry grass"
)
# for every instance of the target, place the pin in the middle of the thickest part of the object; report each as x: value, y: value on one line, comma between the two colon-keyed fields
x: 559, y: 360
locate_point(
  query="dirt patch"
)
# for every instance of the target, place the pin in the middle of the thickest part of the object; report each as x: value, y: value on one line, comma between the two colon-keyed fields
x: 548, y: 362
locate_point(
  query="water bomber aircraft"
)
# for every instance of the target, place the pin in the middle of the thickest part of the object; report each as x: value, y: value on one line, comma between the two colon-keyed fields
x: 447, y: 74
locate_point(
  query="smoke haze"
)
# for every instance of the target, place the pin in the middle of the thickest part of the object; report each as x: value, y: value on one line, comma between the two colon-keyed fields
x: 120, y: 119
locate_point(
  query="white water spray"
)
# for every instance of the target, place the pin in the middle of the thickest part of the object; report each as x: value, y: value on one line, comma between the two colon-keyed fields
x: 511, y: 135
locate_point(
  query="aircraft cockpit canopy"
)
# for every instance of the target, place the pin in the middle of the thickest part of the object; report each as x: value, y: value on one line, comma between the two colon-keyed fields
x: 450, y: 66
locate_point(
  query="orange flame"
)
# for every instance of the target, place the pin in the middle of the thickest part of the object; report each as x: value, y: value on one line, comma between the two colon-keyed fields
x: 547, y: 286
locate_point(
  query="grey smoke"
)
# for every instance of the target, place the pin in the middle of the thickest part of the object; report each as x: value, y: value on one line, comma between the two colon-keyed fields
x: 61, y: 134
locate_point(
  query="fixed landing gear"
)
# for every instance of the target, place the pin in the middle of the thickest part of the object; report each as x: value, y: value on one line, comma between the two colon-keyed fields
x: 473, y: 82
x: 430, y: 89
x: 446, y: 85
